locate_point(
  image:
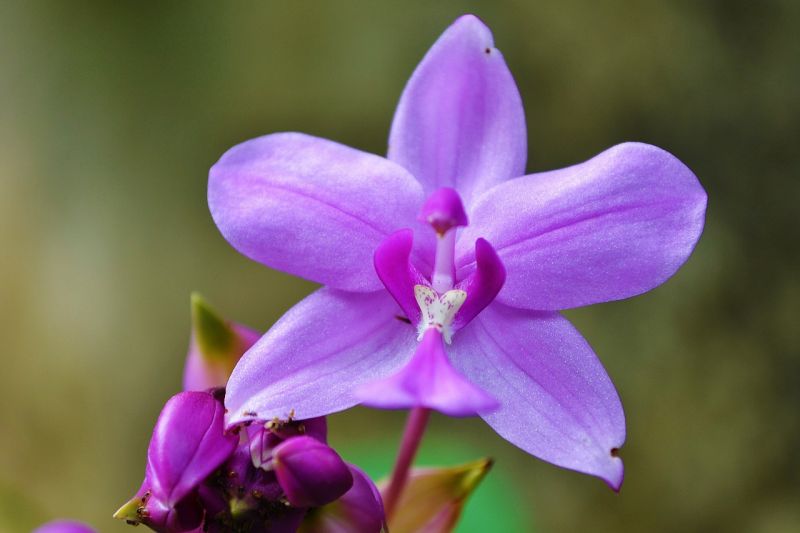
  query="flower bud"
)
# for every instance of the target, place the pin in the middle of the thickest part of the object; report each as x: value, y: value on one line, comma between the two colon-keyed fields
x: 434, y: 497
x: 215, y: 347
x: 187, y: 445
x: 310, y: 473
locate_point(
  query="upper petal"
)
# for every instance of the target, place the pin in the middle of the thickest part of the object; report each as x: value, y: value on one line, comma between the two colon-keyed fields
x: 613, y: 227
x: 557, y: 402
x: 460, y: 121
x: 309, y: 363
x: 311, y: 207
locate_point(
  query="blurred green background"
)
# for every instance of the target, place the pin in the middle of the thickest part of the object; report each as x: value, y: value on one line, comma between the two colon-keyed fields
x: 111, y: 114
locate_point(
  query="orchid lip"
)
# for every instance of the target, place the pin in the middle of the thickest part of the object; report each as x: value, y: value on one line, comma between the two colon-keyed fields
x: 441, y: 303
x: 438, y: 311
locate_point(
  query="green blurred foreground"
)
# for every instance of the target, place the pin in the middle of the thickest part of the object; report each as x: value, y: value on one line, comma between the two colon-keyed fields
x: 112, y: 113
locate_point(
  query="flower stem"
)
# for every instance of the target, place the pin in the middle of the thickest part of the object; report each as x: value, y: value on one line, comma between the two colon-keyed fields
x: 412, y: 436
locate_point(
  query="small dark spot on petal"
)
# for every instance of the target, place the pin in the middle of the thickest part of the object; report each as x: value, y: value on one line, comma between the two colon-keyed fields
x: 488, y: 50
x: 614, y: 452
x: 402, y: 319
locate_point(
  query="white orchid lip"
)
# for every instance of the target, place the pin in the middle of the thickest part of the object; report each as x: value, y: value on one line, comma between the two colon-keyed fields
x: 438, y: 311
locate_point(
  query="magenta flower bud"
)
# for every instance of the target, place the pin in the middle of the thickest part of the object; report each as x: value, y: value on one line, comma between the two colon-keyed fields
x: 64, y: 526
x: 310, y: 473
x: 443, y: 210
x: 188, y: 444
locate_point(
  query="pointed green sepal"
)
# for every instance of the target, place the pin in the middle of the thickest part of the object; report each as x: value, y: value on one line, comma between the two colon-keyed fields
x: 215, y: 348
x: 215, y: 337
x: 131, y: 511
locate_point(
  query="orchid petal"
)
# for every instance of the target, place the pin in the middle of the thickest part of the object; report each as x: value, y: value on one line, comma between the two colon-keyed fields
x: 557, y: 401
x: 188, y: 444
x: 460, y: 121
x: 397, y: 273
x: 313, y: 358
x: 428, y: 380
x: 482, y: 285
x: 311, y: 207
x: 360, y: 509
x: 613, y: 227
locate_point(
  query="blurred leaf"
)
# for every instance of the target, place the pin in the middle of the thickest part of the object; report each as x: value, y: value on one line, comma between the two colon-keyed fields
x: 434, y: 497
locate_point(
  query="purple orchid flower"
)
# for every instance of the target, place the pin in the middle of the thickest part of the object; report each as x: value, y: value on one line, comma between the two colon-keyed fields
x: 449, y: 235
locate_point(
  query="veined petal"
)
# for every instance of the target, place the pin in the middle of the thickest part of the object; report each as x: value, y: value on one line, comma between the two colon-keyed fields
x: 460, y: 121
x: 613, y: 227
x: 428, y: 380
x: 557, y: 402
x: 311, y: 207
x: 314, y: 357
x: 188, y: 444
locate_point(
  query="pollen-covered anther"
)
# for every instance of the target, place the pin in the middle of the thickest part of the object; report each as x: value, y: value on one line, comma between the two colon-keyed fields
x: 438, y: 310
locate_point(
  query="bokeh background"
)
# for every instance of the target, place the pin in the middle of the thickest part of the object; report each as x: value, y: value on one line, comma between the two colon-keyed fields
x: 111, y: 114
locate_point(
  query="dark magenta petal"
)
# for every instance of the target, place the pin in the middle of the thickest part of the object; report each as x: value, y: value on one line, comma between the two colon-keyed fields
x: 311, y: 207
x: 64, y: 526
x: 312, y: 359
x: 428, y: 380
x: 482, y: 285
x: 557, y: 401
x: 188, y: 444
x: 362, y: 506
x: 311, y: 473
x: 399, y: 276
x: 613, y: 227
x: 316, y: 428
x: 443, y: 210
x: 359, y: 510
x: 460, y: 121
x: 184, y: 516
